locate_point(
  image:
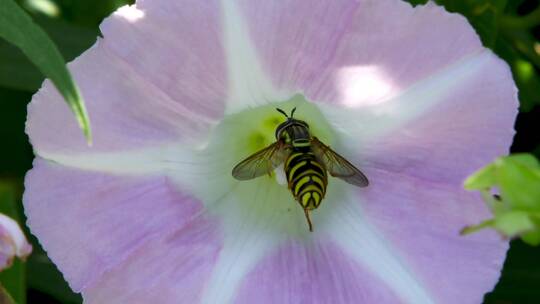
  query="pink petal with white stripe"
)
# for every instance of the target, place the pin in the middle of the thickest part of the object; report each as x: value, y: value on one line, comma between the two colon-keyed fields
x: 146, y: 83
x: 170, y: 268
x: 412, y: 97
x: 421, y: 220
x: 308, y: 46
x: 316, y: 272
x: 89, y: 222
x: 443, y: 128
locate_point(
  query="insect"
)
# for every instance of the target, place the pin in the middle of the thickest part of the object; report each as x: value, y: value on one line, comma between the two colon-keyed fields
x: 307, y: 161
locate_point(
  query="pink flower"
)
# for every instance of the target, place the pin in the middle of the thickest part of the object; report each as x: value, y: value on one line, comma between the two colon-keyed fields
x: 180, y: 91
x: 13, y: 243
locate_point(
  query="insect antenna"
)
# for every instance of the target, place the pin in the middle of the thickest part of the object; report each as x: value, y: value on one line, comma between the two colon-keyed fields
x: 282, y: 112
x: 292, y: 112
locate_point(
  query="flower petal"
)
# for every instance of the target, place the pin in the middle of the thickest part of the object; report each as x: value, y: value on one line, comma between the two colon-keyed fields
x: 443, y: 128
x: 406, y: 231
x: 316, y: 272
x: 296, y: 40
x: 136, y: 97
x: 186, y: 60
x: 203, y: 262
x: 151, y: 107
x: 12, y: 242
x: 388, y: 47
x: 408, y: 79
x: 89, y: 222
x: 170, y: 268
x: 248, y: 84
x: 382, y: 46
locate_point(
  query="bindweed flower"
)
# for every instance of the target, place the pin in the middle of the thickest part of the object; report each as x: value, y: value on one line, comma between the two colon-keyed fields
x: 180, y: 91
x: 13, y: 243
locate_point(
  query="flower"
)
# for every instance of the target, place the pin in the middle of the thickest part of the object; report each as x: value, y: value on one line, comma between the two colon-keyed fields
x: 180, y: 91
x: 12, y: 242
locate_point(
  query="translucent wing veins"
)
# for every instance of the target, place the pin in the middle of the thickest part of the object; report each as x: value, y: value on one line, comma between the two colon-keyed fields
x: 261, y: 162
x: 338, y: 166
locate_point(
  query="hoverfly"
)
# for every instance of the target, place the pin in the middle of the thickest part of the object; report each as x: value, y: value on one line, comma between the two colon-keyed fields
x: 307, y: 161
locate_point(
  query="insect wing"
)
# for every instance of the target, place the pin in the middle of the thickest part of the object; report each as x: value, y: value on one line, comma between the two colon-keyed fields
x: 260, y: 163
x: 337, y: 165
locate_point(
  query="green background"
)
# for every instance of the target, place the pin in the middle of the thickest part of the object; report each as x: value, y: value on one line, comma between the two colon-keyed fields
x: 510, y: 28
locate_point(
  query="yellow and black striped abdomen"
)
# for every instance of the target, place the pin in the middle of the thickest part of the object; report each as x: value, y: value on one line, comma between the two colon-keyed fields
x: 307, y: 178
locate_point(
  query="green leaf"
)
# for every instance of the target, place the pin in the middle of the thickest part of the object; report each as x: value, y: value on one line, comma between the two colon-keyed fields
x: 509, y: 224
x: 506, y: 168
x: 514, y: 223
x: 19, y: 29
x: 481, y: 179
x: 519, y: 180
x: 12, y: 279
x: 517, y: 211
x: 532, y: 237
x: 17, y: 72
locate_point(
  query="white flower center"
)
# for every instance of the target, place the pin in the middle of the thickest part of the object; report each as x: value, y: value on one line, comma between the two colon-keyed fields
x: 264, y: 199
x: 259, y: 214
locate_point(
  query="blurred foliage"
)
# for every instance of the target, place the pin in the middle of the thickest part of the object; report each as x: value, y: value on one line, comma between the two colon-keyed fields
x: 73, y: 26
x: 509, y: 27
x: 18, y: 73
x: 44, y: 279
x: 5, y: 297
x: 13, y: 279
x: 516, y: 209
x: 18, y: 28
x: 520, y: 278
